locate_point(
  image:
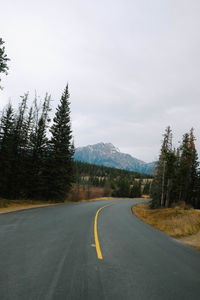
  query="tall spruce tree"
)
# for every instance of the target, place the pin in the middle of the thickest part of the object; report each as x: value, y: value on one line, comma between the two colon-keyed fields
x: 188, y: 170
x: 3, y: 59
x: 20, y: 150
x: 136, y: 191
x: 163, y: 187
x: 38, y: 148
x: 147, y: 188
x: 159, y: 186
x: 194, y: 181
x: 60, y: 162
x: 185, y: 169
x: 6, y: 151
x: 177, y: 176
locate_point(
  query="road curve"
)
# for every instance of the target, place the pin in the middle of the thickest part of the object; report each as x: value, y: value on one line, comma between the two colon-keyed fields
x: 49, y: 253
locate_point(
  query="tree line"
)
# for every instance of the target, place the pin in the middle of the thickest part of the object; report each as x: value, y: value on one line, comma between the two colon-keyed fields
x: 84, y: 168
x: 36, y: 155
x: 121, y: 183
x: 177, y: 176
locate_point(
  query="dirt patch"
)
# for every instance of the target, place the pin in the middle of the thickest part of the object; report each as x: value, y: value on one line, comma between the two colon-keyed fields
x: 177, y: 222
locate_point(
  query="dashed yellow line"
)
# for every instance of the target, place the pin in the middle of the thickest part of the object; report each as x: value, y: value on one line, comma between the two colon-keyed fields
x: 96, y: 239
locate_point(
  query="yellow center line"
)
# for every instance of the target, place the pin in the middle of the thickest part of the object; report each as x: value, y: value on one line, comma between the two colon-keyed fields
x: 96, y: 239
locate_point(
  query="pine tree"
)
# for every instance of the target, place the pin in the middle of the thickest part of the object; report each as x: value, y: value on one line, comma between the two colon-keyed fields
x: 19, y: 149
x: 194, y: 170
x: 147, y: 187
x: 60, y: 162
x: 38, y: 148
x: 122, y: 187
x: 185, y: 168
x: 197, y: 198
x: 3, y: 59
x: 6, y: 152
x: 188, y: 171
x: 135, y: 191
x: 162, y: 181
x: 177, y: 177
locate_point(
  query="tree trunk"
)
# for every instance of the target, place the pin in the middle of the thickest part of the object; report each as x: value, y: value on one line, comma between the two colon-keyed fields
x: 169, y: 187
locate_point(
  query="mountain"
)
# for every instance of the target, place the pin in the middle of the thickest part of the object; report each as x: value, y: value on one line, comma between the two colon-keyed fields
x: 108, y: 155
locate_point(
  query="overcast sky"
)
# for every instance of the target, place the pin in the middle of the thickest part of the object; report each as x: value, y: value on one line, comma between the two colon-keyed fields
x: 133, y: 67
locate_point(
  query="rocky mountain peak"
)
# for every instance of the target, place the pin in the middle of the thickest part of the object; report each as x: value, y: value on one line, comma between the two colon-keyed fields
x: 107, y: 154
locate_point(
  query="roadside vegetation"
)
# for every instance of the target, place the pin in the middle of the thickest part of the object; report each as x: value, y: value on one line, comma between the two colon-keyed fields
x: 14, y: 205
x: 106, y: 182
x: 175, y: 192
x: 177, y: 176
x: 179, y: 221
x: 36, y: 158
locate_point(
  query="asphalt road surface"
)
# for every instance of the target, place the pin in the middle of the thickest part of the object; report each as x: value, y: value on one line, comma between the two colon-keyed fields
x: 49, y: 253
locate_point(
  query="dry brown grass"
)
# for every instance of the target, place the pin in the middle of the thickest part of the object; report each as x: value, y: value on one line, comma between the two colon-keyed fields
x: 83, y: 193
x: 14, y: 205
x: 177, y: 222
x: 145, y: 197
x: 97, y: 199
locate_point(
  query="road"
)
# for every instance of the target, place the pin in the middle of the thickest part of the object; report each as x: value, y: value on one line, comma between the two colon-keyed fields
x: 49, y: 253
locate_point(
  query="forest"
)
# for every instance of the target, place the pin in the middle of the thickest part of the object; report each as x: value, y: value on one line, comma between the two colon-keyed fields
x: 35, y: 158
x: 94, y: 180
x: 38, y: 166
x: 177, y: 176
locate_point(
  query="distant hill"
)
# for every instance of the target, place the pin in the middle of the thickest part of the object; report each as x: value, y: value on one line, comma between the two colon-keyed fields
x: 108, y: 155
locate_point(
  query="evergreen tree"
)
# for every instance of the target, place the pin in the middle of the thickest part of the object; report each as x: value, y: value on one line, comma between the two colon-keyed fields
x: 194, y: 181
x: 136, y: 190
x: 6, y: 152
x: 19, y: 149
x: 185, y: 169
x: 188, y: 169
x: 170, y: 175
x: 162, y: 180
x: 147, y: 187
x: 38, y: 147
x: 60, y: 163
x: 177, y: 177
x: 3, y: 59
x: 122, y: 187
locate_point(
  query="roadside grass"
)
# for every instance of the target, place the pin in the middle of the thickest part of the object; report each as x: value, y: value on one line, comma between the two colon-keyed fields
x: 15, y: 205
x: 96, y: 194
x: 176, y: 222
x: 145, y: 196
x: 97, y: 199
